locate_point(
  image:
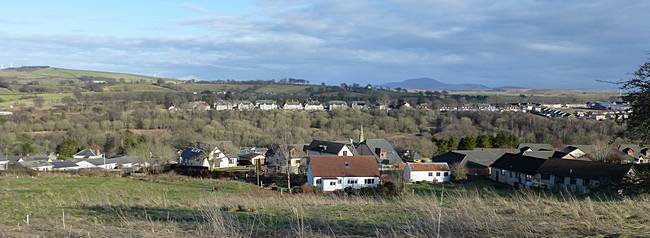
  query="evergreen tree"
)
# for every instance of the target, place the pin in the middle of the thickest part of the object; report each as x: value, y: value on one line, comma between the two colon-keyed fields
x: 638, y: 88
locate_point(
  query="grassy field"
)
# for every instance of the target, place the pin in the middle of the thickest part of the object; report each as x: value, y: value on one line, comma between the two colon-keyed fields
x: 172, y: 206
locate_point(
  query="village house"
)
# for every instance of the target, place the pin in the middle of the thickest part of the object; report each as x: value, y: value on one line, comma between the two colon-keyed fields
x: 42, y: 165
x: 87, y: 154
x: 360, y: 105
x: 266, y: 105
x: 516, y: 170
x: 278, y: 157
x: 635, y: 153
x: 381, y: 149
x: 337, y: 105
x: 328, y: 148
x: 331, y: 173
x: 222, y: 105
x: 426, y: 172
x: 4, y: 163
x: 292, y: 105
x: 195, y: 156
x: 580, y: 176
x: 245, y: 105
x: 314, y: 106
x: 65, y: 165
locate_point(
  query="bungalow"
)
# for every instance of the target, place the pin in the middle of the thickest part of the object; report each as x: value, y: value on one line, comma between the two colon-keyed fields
x: 337, y: 105
x: 65, y: 165
x: 292, y: 105
x: 336, y: 173
x: 87, y: 154
x: 517, y: 170
x: 314, y: 106
x: 427, y: 172
x: 581, y: 176
x: 266, y: 104
x: 328, y: 148
x: 42, y: 165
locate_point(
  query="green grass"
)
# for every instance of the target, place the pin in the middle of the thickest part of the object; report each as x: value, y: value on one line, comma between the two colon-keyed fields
x: 172, y: 206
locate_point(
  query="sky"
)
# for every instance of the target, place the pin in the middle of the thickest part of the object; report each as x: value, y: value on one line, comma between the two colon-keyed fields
x: 538, y: 44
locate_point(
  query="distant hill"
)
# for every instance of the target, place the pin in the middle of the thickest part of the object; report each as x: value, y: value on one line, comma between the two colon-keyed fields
x: 46, y: 74
x: 432, y: 84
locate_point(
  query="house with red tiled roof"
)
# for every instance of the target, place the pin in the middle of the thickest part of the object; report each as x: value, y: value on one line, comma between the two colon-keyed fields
x: 331, y: 173
x: 427, y: 172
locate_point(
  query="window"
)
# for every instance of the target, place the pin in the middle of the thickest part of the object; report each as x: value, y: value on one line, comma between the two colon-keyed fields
x: 510, y: 173
x: 446, y: 174
x: 332, y: 183
x: 572, y: 181
x: 369, y: 181
x: 546, y: 176
x: 319, y: 181
x: 353, y: 181
x: 430, y: 174
x: 438, y: 174
x: 345, y: 153
x: 585, y: 182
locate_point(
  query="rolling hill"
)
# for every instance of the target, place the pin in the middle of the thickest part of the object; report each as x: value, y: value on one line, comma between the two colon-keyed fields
x: 47, y: 75
x: 432, y: 84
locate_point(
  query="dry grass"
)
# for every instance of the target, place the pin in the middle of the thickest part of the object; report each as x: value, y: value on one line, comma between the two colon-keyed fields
x: 207, y: 208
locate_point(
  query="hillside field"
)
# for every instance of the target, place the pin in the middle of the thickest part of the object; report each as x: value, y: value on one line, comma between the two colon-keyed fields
x: 173, y: 206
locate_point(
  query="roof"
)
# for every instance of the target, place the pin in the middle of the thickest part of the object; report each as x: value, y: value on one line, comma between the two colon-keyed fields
x: 588, y: 149
x: 86, y: 153
x: 370, y: 146
x: 541, y: 154
x: 535, y: 147
x: 191, y: 153
x: 518, y: 163
x: 64, y: 164
x: 584, y: 169
x: 335, y: 166
x: 335, y: 102
x: 475, y: 158
x: 250, y: 156
x: 428, y: 166
x: 327, y: 147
